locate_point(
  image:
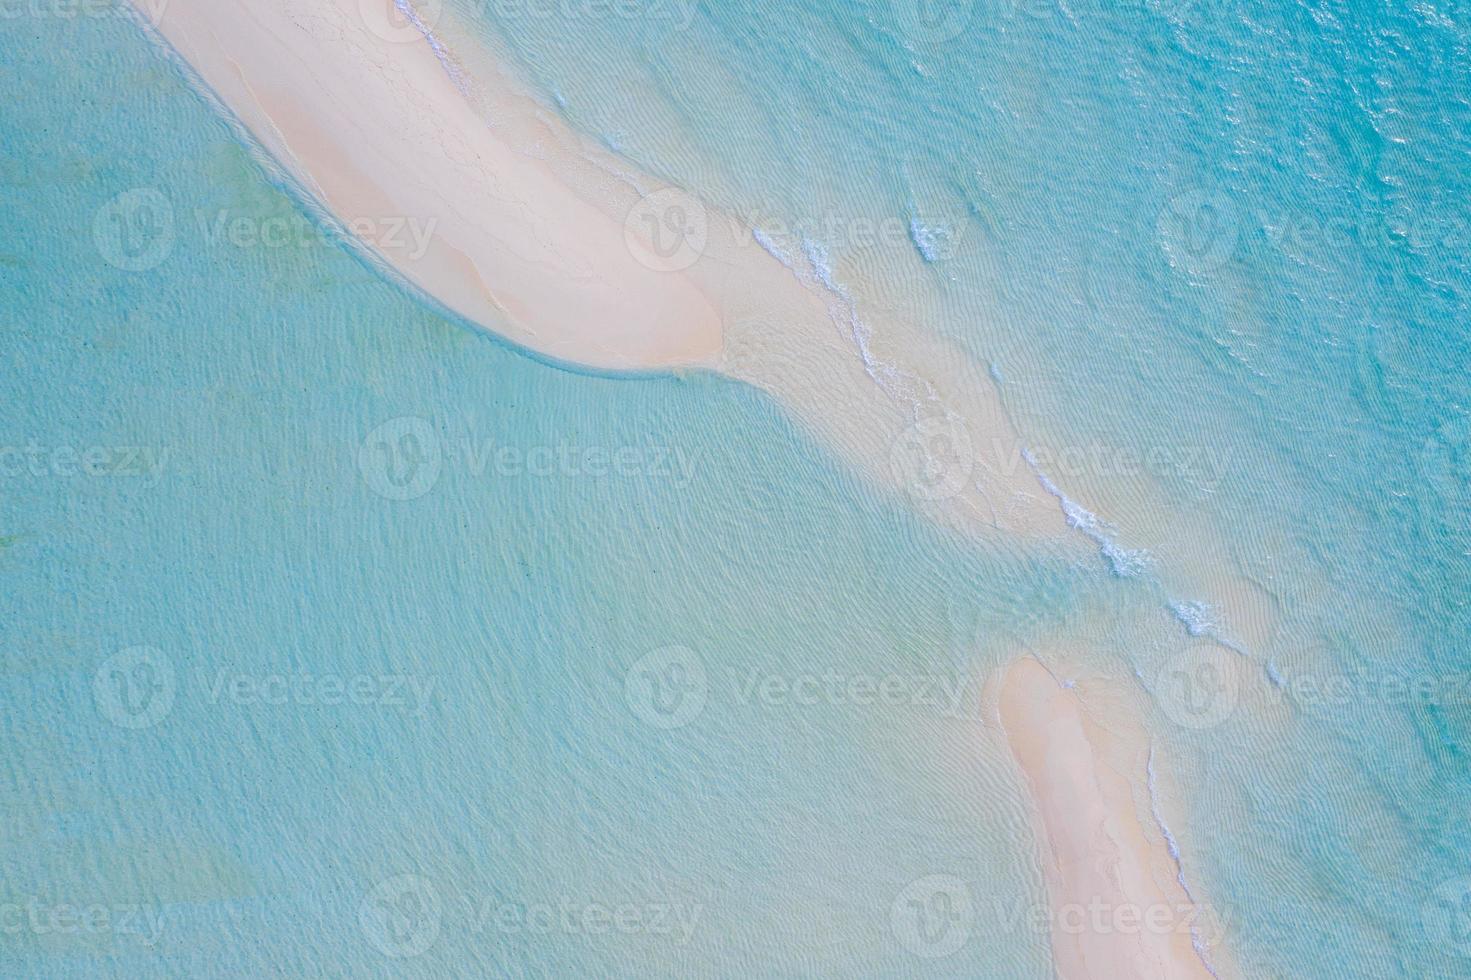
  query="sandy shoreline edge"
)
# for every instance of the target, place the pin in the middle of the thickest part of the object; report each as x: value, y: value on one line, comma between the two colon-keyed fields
x: 1118, y: 905
x: 550, y: 241
x: 375, y: 128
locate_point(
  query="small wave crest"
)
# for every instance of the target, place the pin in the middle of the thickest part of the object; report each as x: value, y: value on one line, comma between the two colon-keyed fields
x: 1195, y: 616
x: 1196, y: 940
x: 908, y: 389
x: 932, y: 241
x: 441, y: 53
x: 1124, y: 562
x: 1198, y: 618
x: 773, y: 249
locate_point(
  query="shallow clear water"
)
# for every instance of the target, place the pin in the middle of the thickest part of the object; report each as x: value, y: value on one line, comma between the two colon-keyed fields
x: 1216, y: 256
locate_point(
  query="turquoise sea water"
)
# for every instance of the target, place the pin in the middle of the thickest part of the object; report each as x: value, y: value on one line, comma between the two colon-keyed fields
x: 331, y: 651
x: 1234, y: 236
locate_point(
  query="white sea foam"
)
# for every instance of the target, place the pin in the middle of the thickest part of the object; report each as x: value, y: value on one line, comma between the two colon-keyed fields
x: 1198, y: 943
x: 1170, y: 842
x: 772, y: 248
x: 1196, y: 617
x: 821, y: 263
x: 1198, y: 620
x: 908, y: 389
x: 441, y: 53
x: 1124, y: 562
x: 931, y: 240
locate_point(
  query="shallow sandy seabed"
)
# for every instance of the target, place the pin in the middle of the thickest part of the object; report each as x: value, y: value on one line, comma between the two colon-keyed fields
x: 550, y: 241
x: 1118, y: 906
